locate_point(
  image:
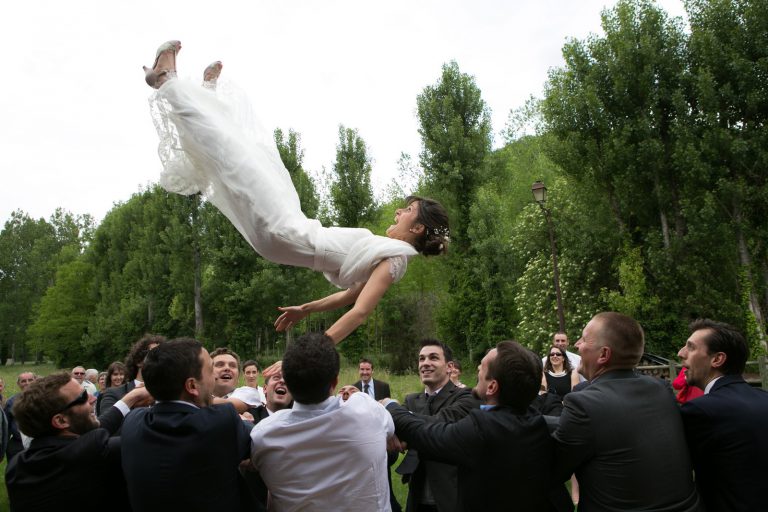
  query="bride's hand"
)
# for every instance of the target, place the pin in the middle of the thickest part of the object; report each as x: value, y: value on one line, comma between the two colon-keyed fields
x: 291, y: 315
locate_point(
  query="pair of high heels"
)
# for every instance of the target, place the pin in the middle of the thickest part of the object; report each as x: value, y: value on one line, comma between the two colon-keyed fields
x: 159, y: 74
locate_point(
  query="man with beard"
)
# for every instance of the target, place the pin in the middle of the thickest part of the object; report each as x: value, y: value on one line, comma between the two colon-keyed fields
x: 503, y: 450
x: 72, y: 453
x: 184, y: 453
x: 432, y: 484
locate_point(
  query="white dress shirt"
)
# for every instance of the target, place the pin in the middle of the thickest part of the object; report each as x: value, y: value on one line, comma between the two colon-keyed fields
x: 324, y: 456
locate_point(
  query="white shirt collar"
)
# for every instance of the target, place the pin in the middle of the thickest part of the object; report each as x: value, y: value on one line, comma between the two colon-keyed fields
x: 708, y: 388
x: 326, y: 405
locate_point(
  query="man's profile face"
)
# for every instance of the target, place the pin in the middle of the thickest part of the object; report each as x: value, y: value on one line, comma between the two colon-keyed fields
x: 589, y: 346
x: 560, y: 340
x: 82, y: 417
x: 276, y: 393
x: 225, y: 374
x: 366, y: 370
x: 481, y: 390
x: 433, y: 369
x: 25, y: 379
x: 696, y: 359
x: 78, y: 373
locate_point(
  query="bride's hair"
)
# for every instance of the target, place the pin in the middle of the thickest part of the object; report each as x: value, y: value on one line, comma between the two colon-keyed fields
x: 436, y: 231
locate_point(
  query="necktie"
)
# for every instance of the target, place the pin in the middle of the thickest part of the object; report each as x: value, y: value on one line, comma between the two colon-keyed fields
x: 366, y: 388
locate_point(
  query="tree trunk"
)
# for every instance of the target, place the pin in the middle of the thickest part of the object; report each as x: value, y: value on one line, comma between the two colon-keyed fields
x: 746, y: 264
x: 198, y: 293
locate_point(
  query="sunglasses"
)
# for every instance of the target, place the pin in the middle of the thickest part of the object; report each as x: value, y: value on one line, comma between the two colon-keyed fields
x: 81, y: 399
x: 555, y: 354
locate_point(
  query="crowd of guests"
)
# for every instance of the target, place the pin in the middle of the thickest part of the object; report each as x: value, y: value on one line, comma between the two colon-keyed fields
x: 170, y: 429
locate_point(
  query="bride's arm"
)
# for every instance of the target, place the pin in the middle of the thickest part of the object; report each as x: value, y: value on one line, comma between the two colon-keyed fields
x: 369, y: 296
x: 292, y: 314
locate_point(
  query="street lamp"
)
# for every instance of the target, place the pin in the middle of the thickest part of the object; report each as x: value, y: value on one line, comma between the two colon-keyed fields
x: 540, y: 196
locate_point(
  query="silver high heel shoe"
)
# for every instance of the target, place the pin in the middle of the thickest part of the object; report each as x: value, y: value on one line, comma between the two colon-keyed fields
x: 211, y: 74
x: 157, y: 77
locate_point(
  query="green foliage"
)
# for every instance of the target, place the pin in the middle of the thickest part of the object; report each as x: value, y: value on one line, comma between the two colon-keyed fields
x: 455, y: 129
x: 292, y: 156
x: 351, y: 192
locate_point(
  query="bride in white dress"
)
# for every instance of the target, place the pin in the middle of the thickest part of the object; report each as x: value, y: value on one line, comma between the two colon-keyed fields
x: 211, y: 143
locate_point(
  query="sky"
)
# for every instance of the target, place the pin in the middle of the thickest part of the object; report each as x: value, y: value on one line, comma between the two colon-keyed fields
x: 75, y: 130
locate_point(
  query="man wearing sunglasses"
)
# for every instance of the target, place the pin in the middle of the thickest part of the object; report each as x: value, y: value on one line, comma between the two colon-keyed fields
x: 70, y: 446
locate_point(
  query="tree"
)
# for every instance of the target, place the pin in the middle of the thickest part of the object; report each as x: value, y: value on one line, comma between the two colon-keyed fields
x: 455, y: 130
x: 292, y: 156
x: 351, y: 192
x: 61, y: 319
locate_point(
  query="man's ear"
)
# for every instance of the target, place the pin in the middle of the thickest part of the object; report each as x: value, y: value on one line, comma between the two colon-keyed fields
x: 191, y: 387
x: 718, y: 360
x: 605, y: 355
x: 493, y: 388
x: 60, y: 422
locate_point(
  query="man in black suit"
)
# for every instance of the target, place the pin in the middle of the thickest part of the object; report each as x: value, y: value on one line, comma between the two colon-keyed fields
x: 377, y: 389
x: 503, y: 452
x: 622, y: 435
x: 727, y: 428
x: 72, y: 458
x: 133, y: 363
x: 183, y: 453
x: 432, y: 485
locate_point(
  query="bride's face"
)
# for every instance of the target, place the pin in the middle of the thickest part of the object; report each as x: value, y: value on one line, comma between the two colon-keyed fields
x: 406, y: 226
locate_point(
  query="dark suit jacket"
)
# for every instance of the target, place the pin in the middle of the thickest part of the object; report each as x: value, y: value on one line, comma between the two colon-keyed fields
x: 727, y: 432
x: 57, y: 471
x: 623, y: 437
x: 504, y: 458
x: 14, y: 437
x: 450, y: 404
x: 179, y: 457
x: 110, y: 396
x: 380, y: 388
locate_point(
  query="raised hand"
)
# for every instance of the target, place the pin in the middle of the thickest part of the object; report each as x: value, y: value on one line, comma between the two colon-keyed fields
x: 290, y: 315
x: 273, y: 369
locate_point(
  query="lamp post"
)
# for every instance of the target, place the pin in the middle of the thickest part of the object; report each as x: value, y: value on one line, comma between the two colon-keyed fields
x: 540, y: 196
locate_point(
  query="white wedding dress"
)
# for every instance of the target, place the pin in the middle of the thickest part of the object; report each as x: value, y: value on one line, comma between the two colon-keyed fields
x: 211, y: 142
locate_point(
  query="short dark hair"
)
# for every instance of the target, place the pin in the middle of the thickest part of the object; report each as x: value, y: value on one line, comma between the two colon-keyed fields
x: 365, y: 360
x: 167, y: 368
x: 727, y: 339
x: 226, y: 351
x: 40, y: 402
x: 251, y: 362
x: 456, y: 364
x: 310, y: 365
x: 428, y: 342
x: 138, y: 352
x: 518, y: 372
x: 624, y: 336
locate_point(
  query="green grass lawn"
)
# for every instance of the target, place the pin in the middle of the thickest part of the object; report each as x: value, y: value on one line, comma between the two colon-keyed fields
x: 401, y: 385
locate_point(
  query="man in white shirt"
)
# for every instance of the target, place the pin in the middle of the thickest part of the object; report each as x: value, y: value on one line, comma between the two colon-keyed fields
x: 320, y: 455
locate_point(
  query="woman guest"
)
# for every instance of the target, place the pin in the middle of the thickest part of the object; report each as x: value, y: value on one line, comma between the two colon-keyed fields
x: 559, y: 376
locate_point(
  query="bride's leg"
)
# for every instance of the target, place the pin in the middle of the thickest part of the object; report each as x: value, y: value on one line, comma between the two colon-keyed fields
x: 211, y: 74
x: 165, y: 64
